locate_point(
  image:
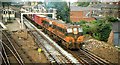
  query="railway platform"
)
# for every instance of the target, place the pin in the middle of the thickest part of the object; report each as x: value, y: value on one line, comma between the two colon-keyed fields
x: 14, y: 26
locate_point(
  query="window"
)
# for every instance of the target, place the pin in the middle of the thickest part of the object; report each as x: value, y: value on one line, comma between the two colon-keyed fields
x: 10, y: 12
x: 69, y: 30
x: 4, y: 12
x: 80, y: 30
x: 75, y: 31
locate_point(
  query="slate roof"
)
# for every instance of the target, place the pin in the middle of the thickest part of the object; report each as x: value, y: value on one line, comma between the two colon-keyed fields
x: 78, y: 8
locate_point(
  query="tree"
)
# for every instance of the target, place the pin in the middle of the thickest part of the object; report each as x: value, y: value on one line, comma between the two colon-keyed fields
x: 102, y: 30
x: 111, y: 19
x: 99, y: 29
x: 62, y: 10
x: 83, y: 4
x: 6, y: 4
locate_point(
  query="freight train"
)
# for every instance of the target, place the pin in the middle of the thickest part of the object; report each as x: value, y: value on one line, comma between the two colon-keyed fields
x: 68, y: 35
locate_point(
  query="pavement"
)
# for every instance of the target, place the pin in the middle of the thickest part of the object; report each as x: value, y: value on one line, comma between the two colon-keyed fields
x: 13, y: 26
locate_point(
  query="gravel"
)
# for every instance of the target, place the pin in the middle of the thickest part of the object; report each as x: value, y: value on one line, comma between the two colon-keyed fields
x: 102, y: 49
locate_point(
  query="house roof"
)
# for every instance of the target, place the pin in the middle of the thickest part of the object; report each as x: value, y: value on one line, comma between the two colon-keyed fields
x: 78, y: 8
x: 100, y: 5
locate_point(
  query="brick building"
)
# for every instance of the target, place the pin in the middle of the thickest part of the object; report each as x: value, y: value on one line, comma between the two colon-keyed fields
x: 78, y: 13
x: 107, y: 9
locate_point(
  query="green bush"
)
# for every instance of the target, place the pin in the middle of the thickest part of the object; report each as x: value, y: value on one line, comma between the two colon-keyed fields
x: 111, y: 19
x: 99, y: 29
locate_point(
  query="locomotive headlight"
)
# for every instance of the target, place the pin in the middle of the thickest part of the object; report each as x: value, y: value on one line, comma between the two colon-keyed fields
x: 69, y: 30
x: 80, y: 29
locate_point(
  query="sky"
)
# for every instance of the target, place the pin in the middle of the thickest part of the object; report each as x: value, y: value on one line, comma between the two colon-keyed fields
x: 76, y: 0
x: 60, y: 0
x: 37, y: 0
x: 34, y: 0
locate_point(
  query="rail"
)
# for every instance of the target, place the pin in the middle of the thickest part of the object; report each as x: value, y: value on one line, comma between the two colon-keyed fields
x: 50, y: 47
x: 9, y: 45
x: 82, y: 56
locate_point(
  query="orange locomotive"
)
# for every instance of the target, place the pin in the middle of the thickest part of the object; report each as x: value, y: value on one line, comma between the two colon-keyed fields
x: 67, y: 34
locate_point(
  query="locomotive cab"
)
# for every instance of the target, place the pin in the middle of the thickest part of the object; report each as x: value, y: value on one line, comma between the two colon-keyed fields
x: 74, y: 36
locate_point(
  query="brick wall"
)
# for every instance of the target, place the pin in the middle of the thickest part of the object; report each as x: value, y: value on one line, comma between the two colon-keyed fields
x: 76, y: 13
x: 77, y: 16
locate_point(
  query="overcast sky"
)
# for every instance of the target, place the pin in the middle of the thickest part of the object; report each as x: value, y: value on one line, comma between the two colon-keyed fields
x: 60, y: 0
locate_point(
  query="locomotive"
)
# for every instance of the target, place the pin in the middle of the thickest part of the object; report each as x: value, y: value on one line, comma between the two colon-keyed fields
x: 68, y: 35
x: 8, y: 14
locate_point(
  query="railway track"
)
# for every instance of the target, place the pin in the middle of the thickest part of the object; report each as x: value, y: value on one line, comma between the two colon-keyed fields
x: 53, y: 54
x: 96, y: 59
x: 85, y: 57
x: 14, y: 48
x: 88, y: 59
x: 10, y: 54
x: 57, y: 56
